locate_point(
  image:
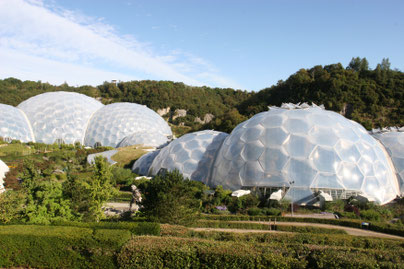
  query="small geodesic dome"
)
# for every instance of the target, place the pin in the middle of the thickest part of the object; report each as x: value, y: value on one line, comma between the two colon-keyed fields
x: 192, y: 154
x: 3, y: 170
x: 142, y: 165
x: 393, y: 141
x: 145, y: 138
x: 114, y: 122
x: 59, y: 116
x: 305, y: 149
x: 14, y: 124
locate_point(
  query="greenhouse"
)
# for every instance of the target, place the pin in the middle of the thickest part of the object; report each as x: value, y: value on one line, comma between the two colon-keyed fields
x: 192, y: 154
x: 393, y: 141
x: 304, y: 150
x: 60, y: 117
x: 14, y: 125
x: 68, y: 118
x: 114, y: 122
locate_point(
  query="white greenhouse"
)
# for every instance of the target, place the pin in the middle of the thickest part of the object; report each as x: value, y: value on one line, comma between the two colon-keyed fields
x: 304, y: 150
x: 14, y: 125
x: 393, y: 141
x: 146, y: 138
x: 114, y: 122
x: 142, y: 165
x: 60, y: 117
x: 192, y: 154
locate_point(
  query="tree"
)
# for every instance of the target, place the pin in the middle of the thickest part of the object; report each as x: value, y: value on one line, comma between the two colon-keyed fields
x: 358, y: 64
x: 11, y: 204
x: 385, y: 65
x: 99, y: 188
x: 171, y: 199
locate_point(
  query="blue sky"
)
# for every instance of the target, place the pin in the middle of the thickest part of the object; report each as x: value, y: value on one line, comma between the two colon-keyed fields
x: 220, y: 43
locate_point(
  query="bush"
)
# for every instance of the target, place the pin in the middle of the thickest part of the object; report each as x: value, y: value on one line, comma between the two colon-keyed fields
x: 271, y: 211
x: 370, y: 214
x: 254, y: 211
x: 59, y: 247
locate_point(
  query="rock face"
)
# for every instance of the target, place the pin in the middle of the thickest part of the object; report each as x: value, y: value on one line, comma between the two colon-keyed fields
x: 163, y: 111
x: 206, y: 119
x: 178, y: 113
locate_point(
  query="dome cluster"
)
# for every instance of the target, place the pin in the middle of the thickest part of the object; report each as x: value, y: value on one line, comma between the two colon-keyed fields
x: 68, y: 117
x: 302, y: 149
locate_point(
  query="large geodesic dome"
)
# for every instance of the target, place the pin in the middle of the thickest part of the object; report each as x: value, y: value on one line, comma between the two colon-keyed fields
x: 142, y: 165
x: 393, y: 141
x: 145, y: 138
x: 192, y: 154
x: 114, y: 122
x: 59, y: 116
x: 305, y: 149
x: 14, y: 124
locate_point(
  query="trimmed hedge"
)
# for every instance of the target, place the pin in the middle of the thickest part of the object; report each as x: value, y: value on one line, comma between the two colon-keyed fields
x: 172, y: 252
x: 59, y: 247
x: 374, y: 226
x: 136, y: 228
x: 301, y: 238
x: 261, y: 226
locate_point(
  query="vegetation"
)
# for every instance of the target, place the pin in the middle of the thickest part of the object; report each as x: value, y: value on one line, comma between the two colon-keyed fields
x: 371, y: 97
x: 171, y: 199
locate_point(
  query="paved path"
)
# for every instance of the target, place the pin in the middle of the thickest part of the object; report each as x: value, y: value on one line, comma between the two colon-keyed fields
x: 349, y: 230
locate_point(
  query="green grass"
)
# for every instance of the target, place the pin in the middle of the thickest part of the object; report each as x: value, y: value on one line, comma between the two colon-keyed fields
x: 126, y: 155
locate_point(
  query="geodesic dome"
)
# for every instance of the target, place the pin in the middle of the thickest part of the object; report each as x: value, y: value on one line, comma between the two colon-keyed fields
x: 114, y: 122
x: 393, y: 141
x: 14, y: 124
x: 305, y: 149
x: 142, y: 165
x: 59, y: 116
x: 146, y: 138
x: 3, y: 170
x: 192, y: 154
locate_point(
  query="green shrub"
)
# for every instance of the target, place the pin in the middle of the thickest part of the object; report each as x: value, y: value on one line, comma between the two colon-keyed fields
x: 271, y: 212
x: 370, y: 214
x: 254, y: 211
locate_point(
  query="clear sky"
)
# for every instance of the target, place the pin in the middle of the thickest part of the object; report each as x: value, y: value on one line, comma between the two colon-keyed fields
x: 220, y: 43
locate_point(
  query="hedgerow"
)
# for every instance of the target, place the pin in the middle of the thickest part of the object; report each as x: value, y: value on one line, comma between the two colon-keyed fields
x: 374, y: 226
x: 172, y: 252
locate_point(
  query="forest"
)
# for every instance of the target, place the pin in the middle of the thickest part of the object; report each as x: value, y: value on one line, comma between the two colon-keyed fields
x: 373, y: 98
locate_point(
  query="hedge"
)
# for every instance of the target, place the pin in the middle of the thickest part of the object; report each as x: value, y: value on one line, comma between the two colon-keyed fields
x: 59, y: 247
x: 301, y: 238
x: 374, y: 226
x: 136, y: 228
x: 172, y: 252
x: 262, y: 226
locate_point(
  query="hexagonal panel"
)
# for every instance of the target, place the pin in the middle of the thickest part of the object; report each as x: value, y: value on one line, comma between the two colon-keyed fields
x: 323, y: 136
x: 273, y: 160
x: 299, y: 146
x: 274, y: 137
x: 350, y: 175
x: 297, y: 126
x: 252, y: 151
x: 300, y: 172
x: 347, y: 151
x: 325, y: 160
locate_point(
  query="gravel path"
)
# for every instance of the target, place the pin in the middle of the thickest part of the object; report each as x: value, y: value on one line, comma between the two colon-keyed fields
x: 350, y: 231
